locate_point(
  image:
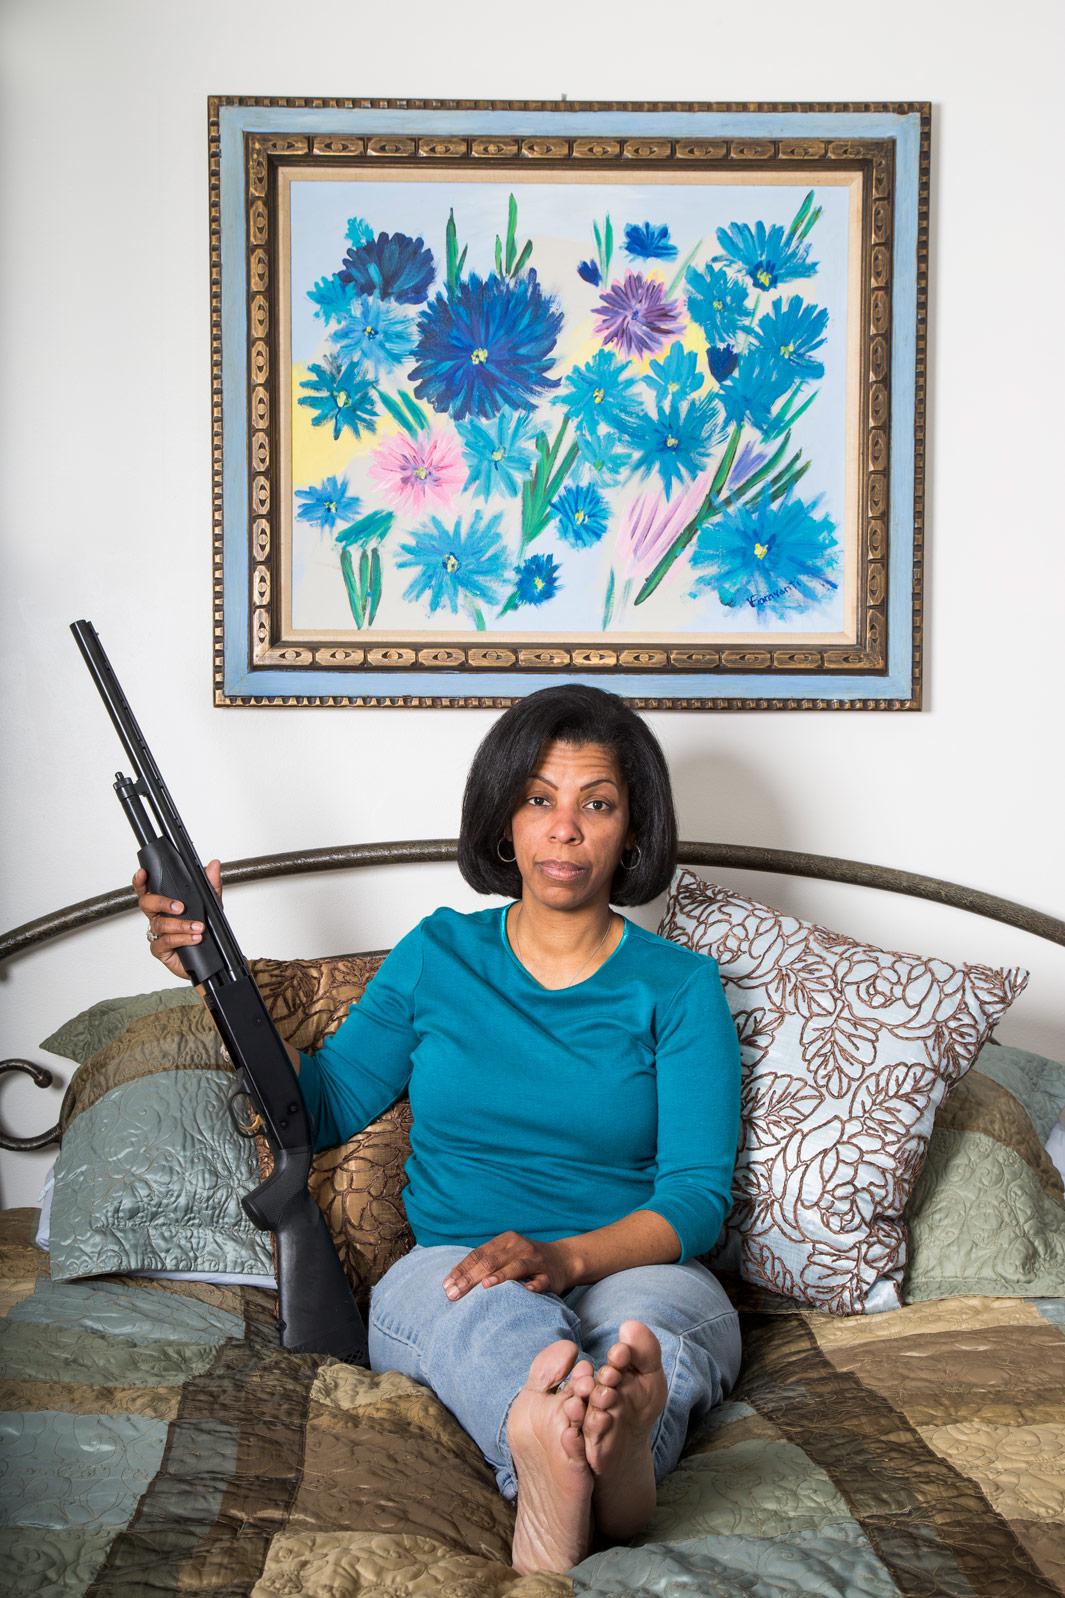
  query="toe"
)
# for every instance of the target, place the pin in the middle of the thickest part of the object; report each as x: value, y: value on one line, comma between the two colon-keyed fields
x: 604, y: 1398
x: 644, y: 1346
x: 552, y: 1364
x: 574, y: 1410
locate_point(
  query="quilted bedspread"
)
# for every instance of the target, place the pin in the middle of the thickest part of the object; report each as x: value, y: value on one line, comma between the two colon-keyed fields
x: 156, y: 1439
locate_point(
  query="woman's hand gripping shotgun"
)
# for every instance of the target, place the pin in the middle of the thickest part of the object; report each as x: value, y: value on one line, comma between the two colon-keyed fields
x: 317, y: 1312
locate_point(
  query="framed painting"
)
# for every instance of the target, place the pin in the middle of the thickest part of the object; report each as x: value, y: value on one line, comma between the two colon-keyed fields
x: 512, y: 394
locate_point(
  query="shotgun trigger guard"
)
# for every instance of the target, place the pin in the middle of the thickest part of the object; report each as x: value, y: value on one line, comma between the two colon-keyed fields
x: 247, y: 1119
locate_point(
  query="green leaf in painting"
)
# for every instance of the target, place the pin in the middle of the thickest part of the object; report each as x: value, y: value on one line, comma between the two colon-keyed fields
x: 512, y: 224
x: 350, y: 583
x: 417, y: 415
x: 800, y: 215
x: 374, y: 585
x: 608, y: 602
x: 396, y: 412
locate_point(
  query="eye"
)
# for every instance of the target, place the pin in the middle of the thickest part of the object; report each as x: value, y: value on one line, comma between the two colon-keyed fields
x: 604, y: 802
x: 535, y: 798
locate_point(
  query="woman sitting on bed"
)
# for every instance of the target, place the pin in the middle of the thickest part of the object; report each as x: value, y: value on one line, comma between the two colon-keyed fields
x: 574, y: 1084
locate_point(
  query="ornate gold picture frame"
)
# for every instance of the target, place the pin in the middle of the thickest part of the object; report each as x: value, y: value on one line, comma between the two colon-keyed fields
x: 507, y: 395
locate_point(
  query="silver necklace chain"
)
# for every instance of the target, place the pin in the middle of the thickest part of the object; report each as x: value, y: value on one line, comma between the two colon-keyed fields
x: 581, y: 969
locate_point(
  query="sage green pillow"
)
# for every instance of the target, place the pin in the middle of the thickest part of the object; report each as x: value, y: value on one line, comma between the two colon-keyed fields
x: 987, y: 1215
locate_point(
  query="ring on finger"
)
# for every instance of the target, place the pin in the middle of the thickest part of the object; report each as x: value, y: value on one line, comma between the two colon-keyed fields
x: 151, y: 936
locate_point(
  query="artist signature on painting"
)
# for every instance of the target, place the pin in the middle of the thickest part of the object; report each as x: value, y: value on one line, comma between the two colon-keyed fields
x: 756, y: 601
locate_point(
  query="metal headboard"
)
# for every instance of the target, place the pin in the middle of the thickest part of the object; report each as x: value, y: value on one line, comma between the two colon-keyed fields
x: 734, y: 856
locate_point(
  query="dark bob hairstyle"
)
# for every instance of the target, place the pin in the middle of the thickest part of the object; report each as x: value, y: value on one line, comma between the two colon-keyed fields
x: 575, y: 714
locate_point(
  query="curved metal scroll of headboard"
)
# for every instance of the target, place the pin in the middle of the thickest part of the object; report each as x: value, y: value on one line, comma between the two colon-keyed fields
x: 739, y: 857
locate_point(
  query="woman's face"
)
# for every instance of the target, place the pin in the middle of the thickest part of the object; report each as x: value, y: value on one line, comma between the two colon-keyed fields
x: 571, y: 826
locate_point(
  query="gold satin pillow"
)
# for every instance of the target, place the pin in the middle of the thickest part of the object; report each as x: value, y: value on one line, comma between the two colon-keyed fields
x: 357, y: 1185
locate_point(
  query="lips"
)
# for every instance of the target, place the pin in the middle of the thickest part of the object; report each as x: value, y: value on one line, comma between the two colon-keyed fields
x: 561, y: 870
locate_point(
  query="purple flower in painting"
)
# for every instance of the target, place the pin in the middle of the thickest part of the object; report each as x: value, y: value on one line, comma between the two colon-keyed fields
x: 651, y: 526
x: 392, y: 265
x: 637, y: 317
x: 487, y: 346
x: 747, y: 462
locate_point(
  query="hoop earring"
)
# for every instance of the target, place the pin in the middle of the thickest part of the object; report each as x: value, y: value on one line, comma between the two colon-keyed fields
x: 632, y: 863
x: 503, y: 857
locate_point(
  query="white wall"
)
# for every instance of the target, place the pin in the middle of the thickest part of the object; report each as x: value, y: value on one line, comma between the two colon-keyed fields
x: 105, y: 481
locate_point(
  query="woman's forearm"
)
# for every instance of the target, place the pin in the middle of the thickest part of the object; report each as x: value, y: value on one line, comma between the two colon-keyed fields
x: 642, y: 1238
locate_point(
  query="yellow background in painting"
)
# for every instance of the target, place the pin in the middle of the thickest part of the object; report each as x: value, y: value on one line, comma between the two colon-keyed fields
x: 315, y: 452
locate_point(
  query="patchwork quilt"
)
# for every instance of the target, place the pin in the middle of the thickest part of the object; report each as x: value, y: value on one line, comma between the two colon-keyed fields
x: 154, y: 1438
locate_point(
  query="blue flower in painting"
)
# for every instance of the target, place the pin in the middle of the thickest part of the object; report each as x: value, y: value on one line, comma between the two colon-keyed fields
x: 392, y: 265
x: 752, y: 391
x: 790, y: 333
x: 767, y: 257
x: 358, y: 231
x: 774, y: 559
x: 599, y: 393
x: 649, y: 243
x: 675, y: 442
x: 338, y: 393
x: 452, y: 564
x: 717, y: 302
x: 675, y: 374
x: 487, y: 346
x: 327, y: 504
x: 331, y: 297
x: 377, y: 332
x: 582, y: 514
x: 537, y: 580
x: 498, y: 454
x: 590, y: 272
x: 602, y: 456
x: 722, y: 361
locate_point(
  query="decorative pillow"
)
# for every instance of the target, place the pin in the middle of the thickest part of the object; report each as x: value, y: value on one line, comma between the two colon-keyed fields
x: 847, y: 1052
x: 987, y: 1213
x: 1037, y: 1082
x: 151, y: 1172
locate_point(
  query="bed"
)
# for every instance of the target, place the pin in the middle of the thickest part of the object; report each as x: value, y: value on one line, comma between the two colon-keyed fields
x: 156, y: 1437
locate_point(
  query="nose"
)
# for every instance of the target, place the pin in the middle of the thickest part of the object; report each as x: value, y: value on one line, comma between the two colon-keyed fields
x: 565, y: 822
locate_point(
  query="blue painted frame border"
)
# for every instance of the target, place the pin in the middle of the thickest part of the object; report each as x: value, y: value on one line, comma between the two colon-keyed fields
x: 899, y: 688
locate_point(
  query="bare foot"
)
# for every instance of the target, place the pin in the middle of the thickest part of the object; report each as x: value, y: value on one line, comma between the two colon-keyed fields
x: 625, y: 1399
x: 553, y: 1530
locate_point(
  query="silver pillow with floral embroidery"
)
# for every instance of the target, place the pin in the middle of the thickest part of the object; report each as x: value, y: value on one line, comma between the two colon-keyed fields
x: 847, y: 1050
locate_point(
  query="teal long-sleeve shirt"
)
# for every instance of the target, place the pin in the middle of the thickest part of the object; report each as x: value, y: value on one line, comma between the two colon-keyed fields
x: 547, y: 1112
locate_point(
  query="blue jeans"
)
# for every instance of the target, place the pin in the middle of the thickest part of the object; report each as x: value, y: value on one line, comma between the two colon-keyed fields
x: 475, y: 1352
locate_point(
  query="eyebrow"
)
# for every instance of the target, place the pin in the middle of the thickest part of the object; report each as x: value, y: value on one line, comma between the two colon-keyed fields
x: 538, y: 776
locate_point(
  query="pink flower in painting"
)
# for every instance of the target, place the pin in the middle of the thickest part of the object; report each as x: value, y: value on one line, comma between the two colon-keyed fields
x: 653, y: 524
x: 415, y: 473
x: 637, y: 317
